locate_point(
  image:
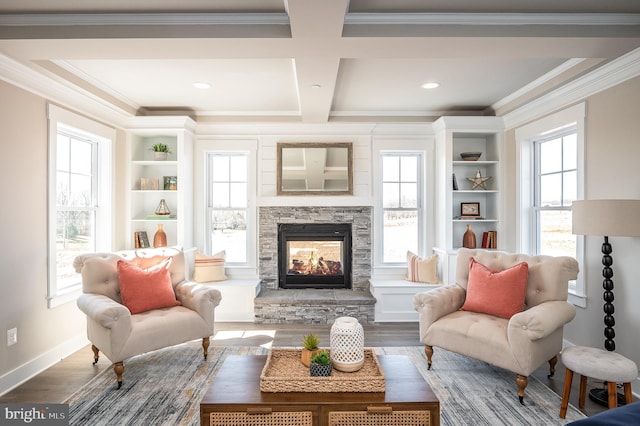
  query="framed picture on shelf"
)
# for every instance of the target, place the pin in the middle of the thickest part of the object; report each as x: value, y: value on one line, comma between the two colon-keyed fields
x: 469, y: 210
x: 170, y: 183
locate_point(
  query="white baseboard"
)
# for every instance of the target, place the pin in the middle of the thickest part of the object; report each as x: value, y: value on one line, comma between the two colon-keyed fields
x: 26, y: 371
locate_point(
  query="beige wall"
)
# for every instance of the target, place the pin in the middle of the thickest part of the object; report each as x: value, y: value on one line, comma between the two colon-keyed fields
x: 612, y: 170
x: 23, y: 230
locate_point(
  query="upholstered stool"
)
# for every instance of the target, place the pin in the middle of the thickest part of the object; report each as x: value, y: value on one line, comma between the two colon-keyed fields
x: 599, y: 364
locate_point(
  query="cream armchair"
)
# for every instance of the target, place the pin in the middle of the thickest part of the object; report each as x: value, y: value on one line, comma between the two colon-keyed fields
x: 112, y: 329
x: 520, y: 344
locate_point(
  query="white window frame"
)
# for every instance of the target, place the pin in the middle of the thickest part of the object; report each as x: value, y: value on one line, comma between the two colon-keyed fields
x: 103, y: 136
x: 423, y: 147
x: 204, y: 147
x: 526, y: 229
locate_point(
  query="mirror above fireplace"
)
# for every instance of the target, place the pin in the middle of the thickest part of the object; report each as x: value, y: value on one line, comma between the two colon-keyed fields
x: 322, y: 168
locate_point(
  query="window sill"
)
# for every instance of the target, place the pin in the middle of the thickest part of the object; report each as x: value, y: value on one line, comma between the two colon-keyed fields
x: 577, y: 300
x: 65, y: 296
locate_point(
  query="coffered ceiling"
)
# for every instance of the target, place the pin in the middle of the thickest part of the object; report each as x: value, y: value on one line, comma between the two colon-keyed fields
x: 315, y: 61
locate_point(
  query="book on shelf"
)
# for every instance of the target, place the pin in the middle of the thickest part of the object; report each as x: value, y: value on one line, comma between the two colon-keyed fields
x: 455, y: 183
x: 489, y: 240
x: 140, y: 239
x: 161, y: 217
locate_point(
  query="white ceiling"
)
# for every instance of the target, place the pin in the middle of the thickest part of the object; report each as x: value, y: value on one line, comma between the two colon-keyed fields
x: 265, y: 58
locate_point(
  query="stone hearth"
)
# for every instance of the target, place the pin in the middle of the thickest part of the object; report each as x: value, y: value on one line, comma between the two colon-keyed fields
x: 276, y: 305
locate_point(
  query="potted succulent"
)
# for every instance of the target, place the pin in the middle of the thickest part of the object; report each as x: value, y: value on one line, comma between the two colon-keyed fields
x: 160, y: 151
x: 320, y: 364
x: 310, y: 344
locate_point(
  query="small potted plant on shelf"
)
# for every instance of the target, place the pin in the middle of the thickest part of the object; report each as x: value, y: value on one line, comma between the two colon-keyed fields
x: 161, y: 151
x: 320, y: 364
x: 310, y: 344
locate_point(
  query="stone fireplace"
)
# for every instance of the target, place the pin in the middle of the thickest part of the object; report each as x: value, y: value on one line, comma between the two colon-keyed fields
x: 314, y: 255
x: 314, y: 298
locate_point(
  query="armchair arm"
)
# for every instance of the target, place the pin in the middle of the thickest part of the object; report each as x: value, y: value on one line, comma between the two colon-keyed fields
x: 200, y: 298
x: 541, y: 320
x: 434, y: 304
x: 105, y: 311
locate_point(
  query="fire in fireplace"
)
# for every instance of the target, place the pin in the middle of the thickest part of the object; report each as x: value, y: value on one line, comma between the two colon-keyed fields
x: 314, y: 255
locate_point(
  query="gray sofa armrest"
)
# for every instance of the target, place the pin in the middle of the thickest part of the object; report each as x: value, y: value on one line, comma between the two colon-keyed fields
x: 105, y: 311
x: 540, y: 321
x: 434, y: 304
x: 200, y: 298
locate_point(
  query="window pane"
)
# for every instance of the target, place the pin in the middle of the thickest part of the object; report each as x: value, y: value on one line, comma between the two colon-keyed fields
x: 220, y: 195
x: 62, y: 156
x: 238, y: 194
x: 409, y: 169
x: 400, y: 234
x: 556, y: 238
x: 551, y: 156
x: 229, y: 233
x: 409, y: 195
x: 570, y: 152
x: 570, y: 186
x: 220, y: 168
x: 238, y: 168
x: 80, y: 192
x: 390, y: 169
x: 550, y: 190
x: 75, y: 234
x: 390, y: 195
x: 81, y: 157
x: 63, y: 196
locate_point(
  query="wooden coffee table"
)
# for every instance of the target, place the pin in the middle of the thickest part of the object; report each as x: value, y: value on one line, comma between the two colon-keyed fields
x: 234, y: 398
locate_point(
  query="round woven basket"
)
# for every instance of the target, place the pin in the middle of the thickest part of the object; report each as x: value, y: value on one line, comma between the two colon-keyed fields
x: 347, y: 344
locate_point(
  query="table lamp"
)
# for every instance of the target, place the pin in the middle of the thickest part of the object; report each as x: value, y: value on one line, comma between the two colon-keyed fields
x: 606, y: 218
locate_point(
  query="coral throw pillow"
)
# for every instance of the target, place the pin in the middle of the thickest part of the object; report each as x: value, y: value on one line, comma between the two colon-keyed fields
x: 498, y: 293
x: 209, y: 268
x: 143, y: 290
x: 422, y: 270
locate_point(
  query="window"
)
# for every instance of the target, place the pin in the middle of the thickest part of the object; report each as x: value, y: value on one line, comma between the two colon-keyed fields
x: 228, y: 205
x: 555, y: 180
x: 551, y: 158
x: 79, y: 197
x: 401, y: 205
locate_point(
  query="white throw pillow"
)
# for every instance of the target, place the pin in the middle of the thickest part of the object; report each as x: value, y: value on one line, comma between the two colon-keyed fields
x: 209, y: 268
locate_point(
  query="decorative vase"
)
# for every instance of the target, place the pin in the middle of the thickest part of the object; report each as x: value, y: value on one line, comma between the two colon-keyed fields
x: 320, y: 370
x: 469, y: 238
x: 159, y: 156
x: 162, y: 208
x: 160, y: 238
x: 306, y: 355
x: 347, y: 344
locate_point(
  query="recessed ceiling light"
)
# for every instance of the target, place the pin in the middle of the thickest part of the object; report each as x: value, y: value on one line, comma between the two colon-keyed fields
x: 431, y: 85
x: 316, y: 86
x: 201, y: 85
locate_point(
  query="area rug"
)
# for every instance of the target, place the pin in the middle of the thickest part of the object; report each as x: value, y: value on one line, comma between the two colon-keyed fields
x: 165, y: 388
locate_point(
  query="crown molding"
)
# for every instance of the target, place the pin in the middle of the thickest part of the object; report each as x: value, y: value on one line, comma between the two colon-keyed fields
x: 138, y: 19
x: 32, y: 81
x: 511, y: 19
x: 608, y: 75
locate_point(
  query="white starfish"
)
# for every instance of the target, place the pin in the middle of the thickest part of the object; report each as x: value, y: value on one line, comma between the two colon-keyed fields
x: 479, y: 181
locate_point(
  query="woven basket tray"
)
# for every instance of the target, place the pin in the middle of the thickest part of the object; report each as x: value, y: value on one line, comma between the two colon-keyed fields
x: 284, y: 372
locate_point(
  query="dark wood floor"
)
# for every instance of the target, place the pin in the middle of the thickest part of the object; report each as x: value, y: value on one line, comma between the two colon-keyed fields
x: 57, y: 383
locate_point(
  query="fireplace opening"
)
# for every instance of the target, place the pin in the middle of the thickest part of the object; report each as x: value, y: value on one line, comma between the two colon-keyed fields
x: 314, y: 255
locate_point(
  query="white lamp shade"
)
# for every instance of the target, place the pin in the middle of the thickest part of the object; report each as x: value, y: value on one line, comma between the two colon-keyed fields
x: 611, y: 218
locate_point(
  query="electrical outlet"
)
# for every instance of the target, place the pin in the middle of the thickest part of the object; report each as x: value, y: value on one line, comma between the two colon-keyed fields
x: 12, y: 336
